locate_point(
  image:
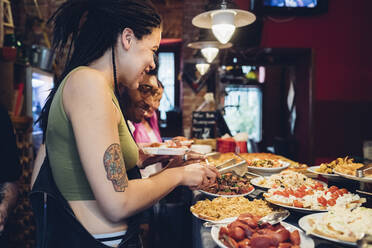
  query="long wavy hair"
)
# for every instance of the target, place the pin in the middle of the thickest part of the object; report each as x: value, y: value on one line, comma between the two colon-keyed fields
x: 88, y: 28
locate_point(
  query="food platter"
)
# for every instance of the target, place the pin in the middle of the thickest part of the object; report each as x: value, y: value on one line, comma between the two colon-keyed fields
x: 222, y: 208
x: 306, y: 242
x: 255, y: 182
x: 360, y: 179
x: 304, y: 224
x: 217, y: 195
x: 268, y: 171
x: 164, y: 151
x: 301, y: 210
x: 331, y: 177
x: 227, y: 220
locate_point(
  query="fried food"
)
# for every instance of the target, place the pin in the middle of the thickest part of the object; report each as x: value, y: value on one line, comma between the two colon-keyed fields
x: 344, y: 164
x: 225, y: 207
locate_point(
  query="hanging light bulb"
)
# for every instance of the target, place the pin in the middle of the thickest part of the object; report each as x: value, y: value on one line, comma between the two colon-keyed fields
x: 202, y: 68
x: 223, y: 25
x: 209, y: 53
x: 223, y: 21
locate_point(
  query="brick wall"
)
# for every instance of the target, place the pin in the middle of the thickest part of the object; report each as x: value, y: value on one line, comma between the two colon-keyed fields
x: 190, y: 100
x: 177, y: 16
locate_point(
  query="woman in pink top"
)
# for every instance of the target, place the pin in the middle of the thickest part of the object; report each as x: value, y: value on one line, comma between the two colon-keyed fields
x: 147, y: 131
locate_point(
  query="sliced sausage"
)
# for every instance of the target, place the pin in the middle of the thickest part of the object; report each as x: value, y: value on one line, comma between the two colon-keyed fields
x: 295, y: 237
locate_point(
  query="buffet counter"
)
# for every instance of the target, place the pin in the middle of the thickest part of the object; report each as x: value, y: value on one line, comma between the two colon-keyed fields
x: 202, y: 237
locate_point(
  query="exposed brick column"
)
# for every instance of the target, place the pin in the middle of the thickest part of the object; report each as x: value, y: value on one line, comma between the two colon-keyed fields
x: 189, y: 100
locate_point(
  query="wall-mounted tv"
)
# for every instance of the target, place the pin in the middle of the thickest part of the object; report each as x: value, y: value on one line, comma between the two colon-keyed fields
x: 290, y: 7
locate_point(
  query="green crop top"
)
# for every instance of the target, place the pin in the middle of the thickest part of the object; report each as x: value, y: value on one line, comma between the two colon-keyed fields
x: 63, y: 154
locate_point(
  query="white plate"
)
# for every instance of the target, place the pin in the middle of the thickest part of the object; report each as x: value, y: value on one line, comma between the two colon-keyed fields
x: 304, y: 224
x: 332, y: 177
x: 268, y: 171
x: 164, y: 151
x: 230, y: 219
x: 306, y: 242
x: 255, y: 182
x: 360, y: 179
x: 216, y: 195
x: 302, y: 210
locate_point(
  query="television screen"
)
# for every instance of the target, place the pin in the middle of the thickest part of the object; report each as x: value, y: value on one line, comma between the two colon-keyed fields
x: 290, y: 7
x: 291, y: 3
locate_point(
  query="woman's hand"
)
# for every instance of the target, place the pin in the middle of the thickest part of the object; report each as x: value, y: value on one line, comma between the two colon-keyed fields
x: 198, y: 175
x: 148, y: 159
x: 191, y: 158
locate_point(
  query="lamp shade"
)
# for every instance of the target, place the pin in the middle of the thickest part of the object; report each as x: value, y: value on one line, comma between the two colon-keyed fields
x: 223, y: 22
x: 209, y: 49
x: 202, y: 68
x: 209, y: 53
x: 223, y: 32
x: 223, y: 26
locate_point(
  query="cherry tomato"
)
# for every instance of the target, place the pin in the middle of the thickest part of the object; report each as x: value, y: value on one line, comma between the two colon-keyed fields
x: 299, y: 194
x: 333, y: 189
x: 302, y: 188
x: 285, y: 193
x: 331, y: 202
x: 298, y: 204
x: 343, y: 191
x: 334, y: 196
x: 322, y: 201
x: 291, y: 191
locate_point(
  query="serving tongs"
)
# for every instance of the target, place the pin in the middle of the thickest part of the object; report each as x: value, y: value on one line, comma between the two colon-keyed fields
x: 227, y: 162
x: 365, y: 241
x: 362, y: 170
x: 272, y: 218
x: 240, y: 168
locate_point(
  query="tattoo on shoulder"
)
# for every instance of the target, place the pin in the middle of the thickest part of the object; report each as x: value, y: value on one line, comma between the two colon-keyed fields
x: 115, y: 169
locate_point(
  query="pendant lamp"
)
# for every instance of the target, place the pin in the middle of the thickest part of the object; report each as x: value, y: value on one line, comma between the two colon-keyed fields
x: 208, y: 45
x: 223, y: 21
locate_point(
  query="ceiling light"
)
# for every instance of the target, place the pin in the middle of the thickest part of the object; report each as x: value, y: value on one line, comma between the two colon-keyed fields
x: 202, y: 68
x: 209, y: 49
x: 209, y: 53
x: 223, y: 21
x: 223, y: 25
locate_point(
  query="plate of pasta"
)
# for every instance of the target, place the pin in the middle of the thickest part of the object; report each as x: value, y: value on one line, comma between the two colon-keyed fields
x: 221, y: 208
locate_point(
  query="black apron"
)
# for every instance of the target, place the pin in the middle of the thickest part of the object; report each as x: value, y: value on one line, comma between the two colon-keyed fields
x: 56, y: 223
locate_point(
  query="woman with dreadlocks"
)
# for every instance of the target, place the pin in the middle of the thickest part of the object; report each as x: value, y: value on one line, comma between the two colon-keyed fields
x: 82, y: 196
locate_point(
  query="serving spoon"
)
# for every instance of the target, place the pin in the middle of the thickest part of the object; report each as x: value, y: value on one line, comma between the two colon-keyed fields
x: 272, y: 219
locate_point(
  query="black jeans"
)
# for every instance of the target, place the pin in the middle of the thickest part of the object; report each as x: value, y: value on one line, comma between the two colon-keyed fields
x: 56, y: 224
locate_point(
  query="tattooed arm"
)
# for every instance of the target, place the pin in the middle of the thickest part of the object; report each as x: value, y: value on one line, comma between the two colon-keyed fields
x: 115, y: 168
x: 87, y: 101
x: 9, y: 194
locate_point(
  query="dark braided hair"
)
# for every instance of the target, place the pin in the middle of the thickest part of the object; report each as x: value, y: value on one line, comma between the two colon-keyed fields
x: 92, y: 27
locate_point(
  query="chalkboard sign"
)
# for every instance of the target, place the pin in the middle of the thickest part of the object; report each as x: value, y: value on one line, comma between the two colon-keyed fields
x: 204, y: 124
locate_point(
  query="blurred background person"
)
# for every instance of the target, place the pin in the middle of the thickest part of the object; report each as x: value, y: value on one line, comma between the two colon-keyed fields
x: 10, y: 171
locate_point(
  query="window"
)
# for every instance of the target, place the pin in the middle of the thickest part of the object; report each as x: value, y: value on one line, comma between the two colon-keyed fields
x: 243, y: 110
x: 166, y: 75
